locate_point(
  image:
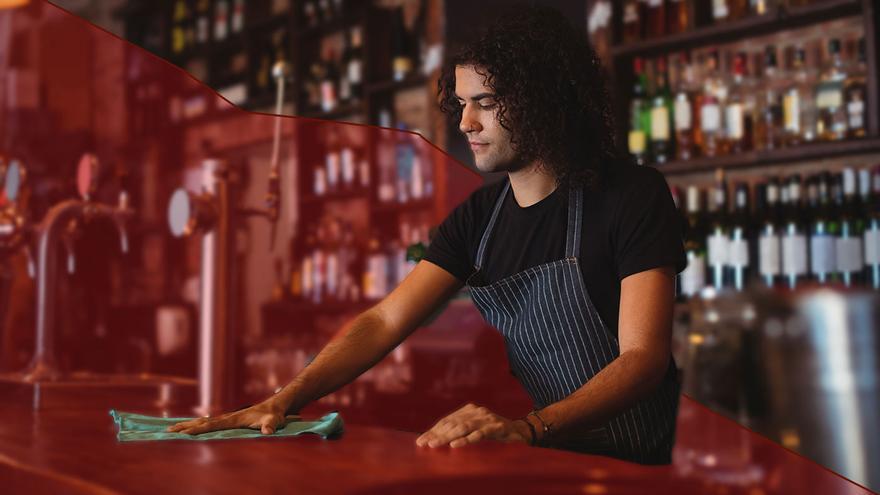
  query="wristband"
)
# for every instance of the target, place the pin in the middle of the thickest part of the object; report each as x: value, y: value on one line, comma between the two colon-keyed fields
x: 531, y: 429
x: 547, y: 428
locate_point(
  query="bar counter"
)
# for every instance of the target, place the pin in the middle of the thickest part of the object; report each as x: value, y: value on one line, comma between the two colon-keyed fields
x: 74, y: 450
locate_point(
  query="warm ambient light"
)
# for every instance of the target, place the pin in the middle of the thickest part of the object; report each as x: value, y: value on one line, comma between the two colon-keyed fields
x: 8, y: 4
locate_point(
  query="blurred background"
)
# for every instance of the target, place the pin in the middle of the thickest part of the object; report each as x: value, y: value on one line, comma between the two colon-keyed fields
x: 762, y: 114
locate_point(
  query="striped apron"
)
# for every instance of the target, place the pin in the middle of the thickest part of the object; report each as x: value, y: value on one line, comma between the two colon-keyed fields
x: 556, y: 341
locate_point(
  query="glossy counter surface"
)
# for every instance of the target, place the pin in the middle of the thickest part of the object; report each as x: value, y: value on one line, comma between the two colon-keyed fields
x: 76, y: 451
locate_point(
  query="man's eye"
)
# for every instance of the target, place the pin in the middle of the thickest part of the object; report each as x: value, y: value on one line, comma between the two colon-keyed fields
x: 488, y: 107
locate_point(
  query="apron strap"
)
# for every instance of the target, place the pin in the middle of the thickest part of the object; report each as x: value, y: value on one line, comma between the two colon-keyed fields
x: 575, y: 213
x: 481, y: 251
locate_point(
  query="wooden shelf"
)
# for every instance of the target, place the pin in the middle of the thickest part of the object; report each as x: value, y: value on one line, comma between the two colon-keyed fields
x: 781, y: 18
x: 394, y: 207
x: 801, y: 153
x: 386, y: 86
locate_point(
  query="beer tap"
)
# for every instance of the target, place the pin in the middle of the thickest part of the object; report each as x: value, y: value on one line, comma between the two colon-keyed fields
x: 211, y: 213
x: 65, y: 219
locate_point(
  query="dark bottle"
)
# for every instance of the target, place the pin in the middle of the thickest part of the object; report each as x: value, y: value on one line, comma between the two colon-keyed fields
x: 741, y: 234
x: 632, y: 21
x: 717, y: 238
x: 693, y: 278
x: 794, y: 235
x: 769, y: 233
x: 770, y: 128
x: 855, y: 96
x: 823, y: 233
x: 655, y: 25
x: 640, y: 115
x: 662, y: 139
x: 401, y: 48
x: 851, y: 227
x: 872, y: 232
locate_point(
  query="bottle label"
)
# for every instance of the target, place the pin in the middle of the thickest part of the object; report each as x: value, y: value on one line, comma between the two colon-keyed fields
x: 636, y: 142
x: 354, y: 71
x: 710, y: 117
x: 683, y: 119
x: 659, y: 123
x: 735, y: 121
x: 738, y: 253
x: 849, y: 254
x: 719, y: 9
x: 822, y: 257
x: 856, y: 109
x: 791, y: 109
x: 829, y: 95
x: 630, y: 13
x: 872, y: 247
x: 768, y: 252
x: 693, y: 278
x: 794, y: 255
x: 718, y: 249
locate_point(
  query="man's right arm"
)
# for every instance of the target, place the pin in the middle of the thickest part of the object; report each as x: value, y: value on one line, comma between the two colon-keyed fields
x: 355, y: 349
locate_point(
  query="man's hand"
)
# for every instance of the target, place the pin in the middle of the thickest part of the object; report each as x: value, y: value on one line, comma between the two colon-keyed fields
x: 265, y: 416
x: 470, y: 424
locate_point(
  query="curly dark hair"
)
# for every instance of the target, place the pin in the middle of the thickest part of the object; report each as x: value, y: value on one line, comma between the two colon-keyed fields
x: 550, y: 89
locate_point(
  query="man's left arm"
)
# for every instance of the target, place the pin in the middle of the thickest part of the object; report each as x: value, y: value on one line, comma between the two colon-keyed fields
x: 645, y: 337
x: 644, y: 334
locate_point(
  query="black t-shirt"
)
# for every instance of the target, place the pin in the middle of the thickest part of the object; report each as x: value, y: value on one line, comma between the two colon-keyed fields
x: 630, y: 225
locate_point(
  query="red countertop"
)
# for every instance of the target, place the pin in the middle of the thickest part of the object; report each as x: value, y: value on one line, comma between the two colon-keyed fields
x: 76, y: 451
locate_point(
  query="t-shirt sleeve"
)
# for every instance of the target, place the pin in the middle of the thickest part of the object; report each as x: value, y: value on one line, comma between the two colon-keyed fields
x: 450, y: 249
x: 648, y: 227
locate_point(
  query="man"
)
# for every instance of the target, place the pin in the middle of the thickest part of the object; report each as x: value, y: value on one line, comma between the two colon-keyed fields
x: 572, y: 258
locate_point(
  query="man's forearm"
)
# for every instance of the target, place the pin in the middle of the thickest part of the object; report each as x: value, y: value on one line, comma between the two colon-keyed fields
x: 627, y: 379
x: 352, y: 351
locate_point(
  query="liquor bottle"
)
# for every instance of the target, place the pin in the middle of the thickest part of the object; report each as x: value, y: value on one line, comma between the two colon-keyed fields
x: 310, y: 12
x: 683, y: 109
x: 729, y: 10
x: 832, y: 121
x: 855, y: 96
x: 354, y: 63
x: 221, y: 19
x: 712, y: 100
x: 237, y: 20
x: 871, y: 236
x: 770, y: 130
x: 769, y: 254
x: 178, y: 34
x: 632, y: 21
x: 718, y: 233
x: 325, y: 11
x: 739, y: 110
x: 662, y: 148
x: 760, y: 7
x: 329, y: 89
x: 799, y: 109
x: 740, y: 235
x: 693, y: 278
x: 823, y: 234
x: 678, y: 16
x: 655, y: 25
x: 203, y: 21
x: 401, y: 56
x: 851, y: 225
x: 640, y: 116
x: 794, y: 236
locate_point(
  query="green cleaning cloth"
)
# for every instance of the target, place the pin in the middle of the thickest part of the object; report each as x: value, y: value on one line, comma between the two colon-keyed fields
x: 135, y: 427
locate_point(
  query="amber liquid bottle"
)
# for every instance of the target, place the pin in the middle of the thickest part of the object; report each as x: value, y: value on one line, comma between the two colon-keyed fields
x: 678, y: 16
x: 855, y: 96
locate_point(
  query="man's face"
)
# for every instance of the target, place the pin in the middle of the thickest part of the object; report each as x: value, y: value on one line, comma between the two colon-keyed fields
x: 489, y: 141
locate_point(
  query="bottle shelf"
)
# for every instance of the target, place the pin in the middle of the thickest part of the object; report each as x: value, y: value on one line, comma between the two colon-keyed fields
x: 392, y: 86
x: 779, y: 19
x: 752, y: 159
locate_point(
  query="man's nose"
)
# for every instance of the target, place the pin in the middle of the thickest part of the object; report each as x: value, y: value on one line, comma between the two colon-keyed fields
x: 468, y: 122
